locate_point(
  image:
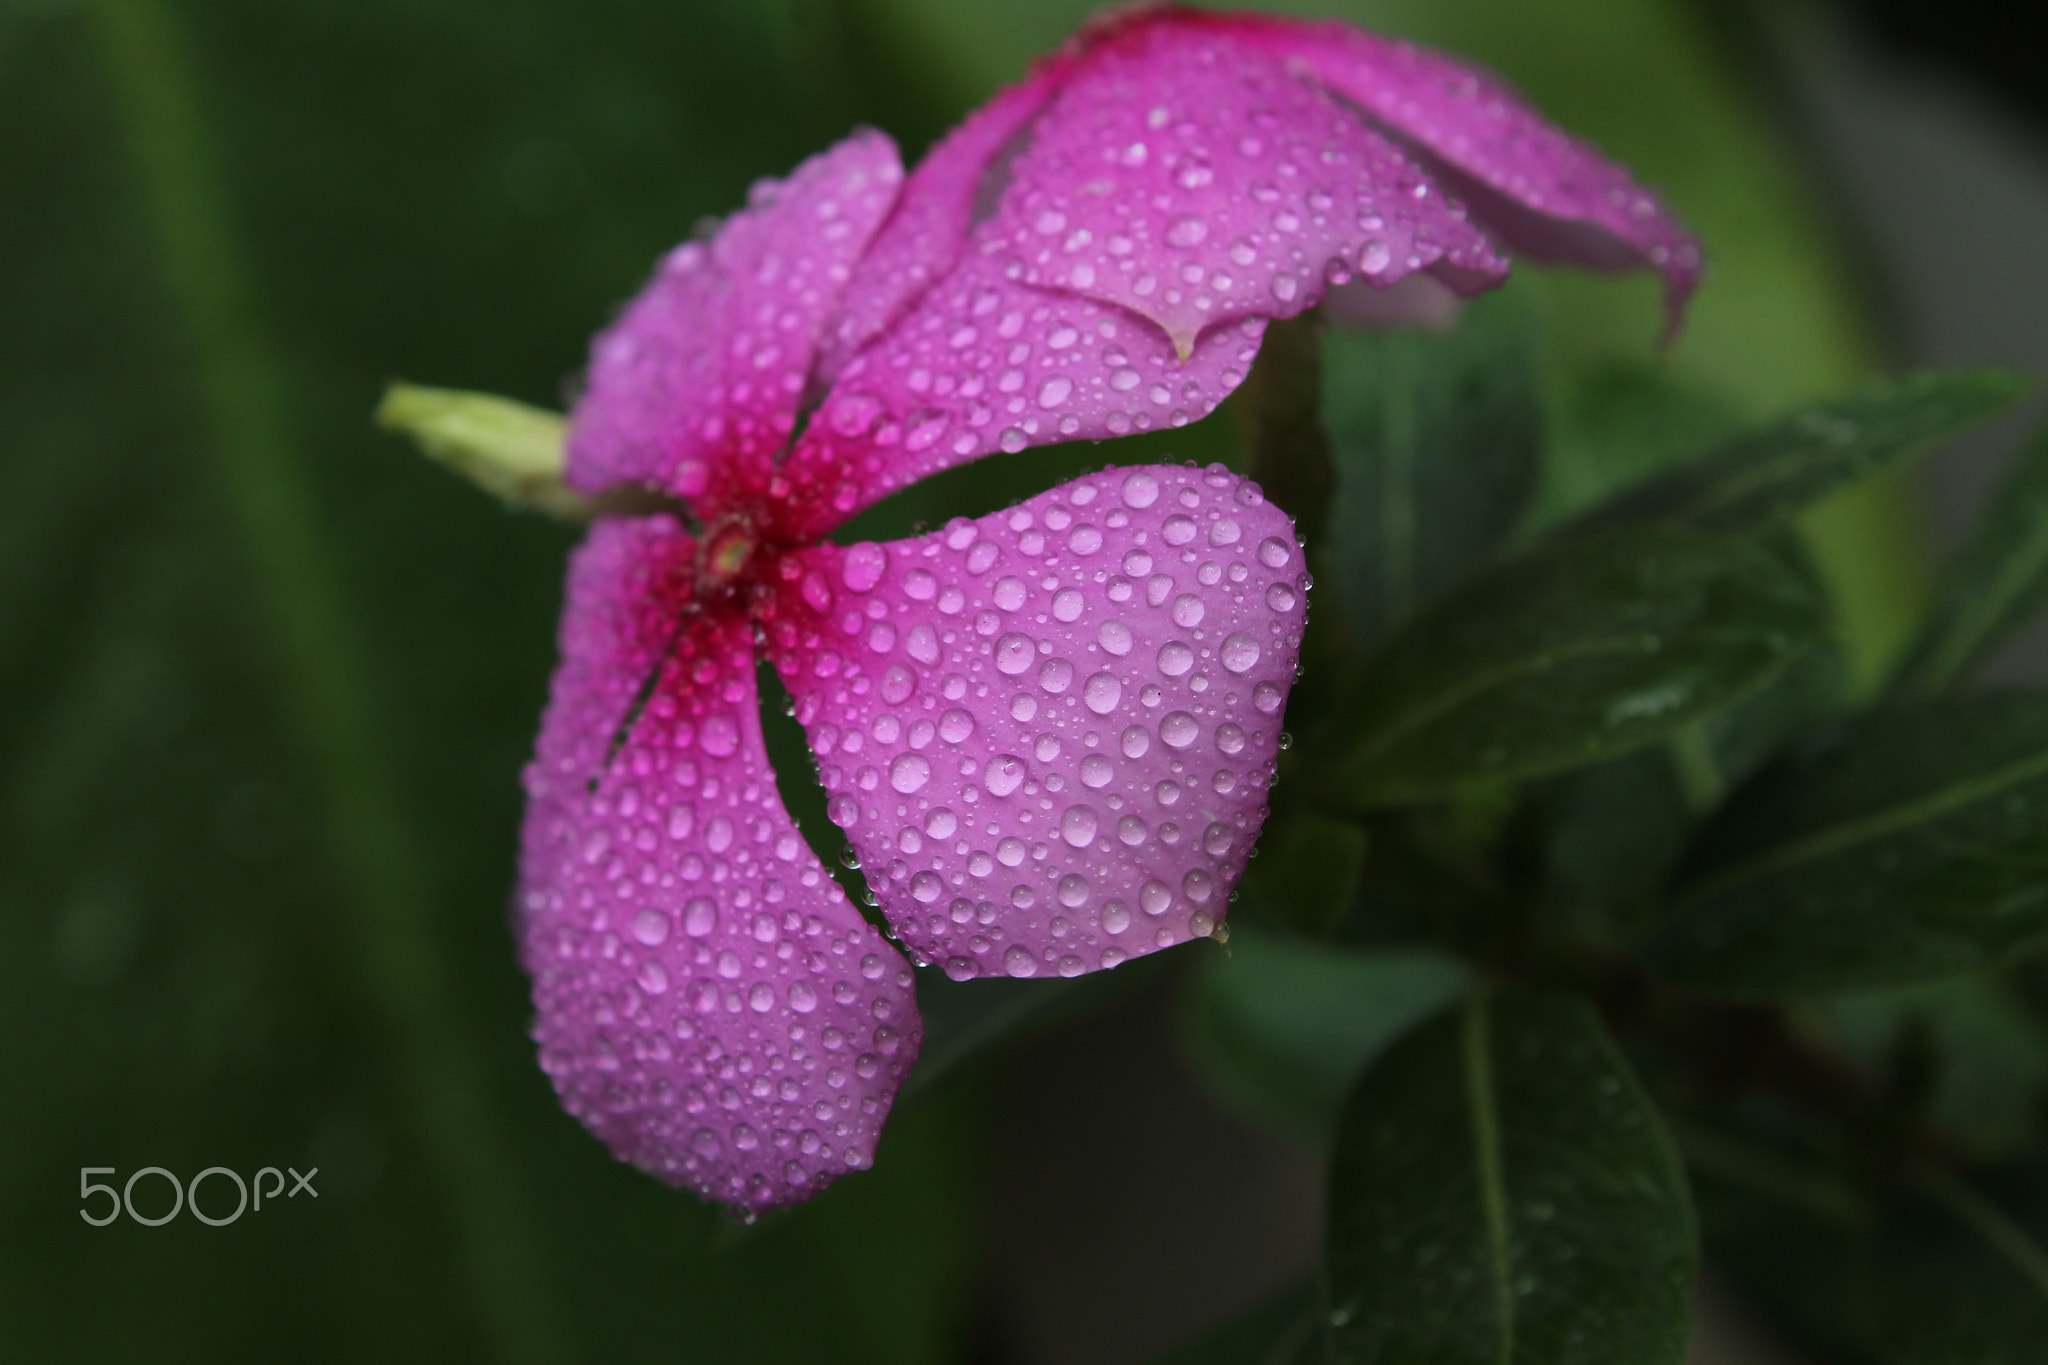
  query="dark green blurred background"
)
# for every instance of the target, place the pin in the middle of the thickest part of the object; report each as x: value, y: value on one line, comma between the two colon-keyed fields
x: 267, y: 677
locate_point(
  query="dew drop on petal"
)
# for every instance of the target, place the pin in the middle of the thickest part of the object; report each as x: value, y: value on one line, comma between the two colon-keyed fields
x: 650, y: 927
x: 1178, y: 730
x: 909, y: 772
x: 1240, y: 653
x: 1102, y: 693
x: 700, y: 917
x: 1004, y: 774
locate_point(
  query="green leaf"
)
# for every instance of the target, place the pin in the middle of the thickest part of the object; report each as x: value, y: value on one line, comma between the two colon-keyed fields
x: 1581, y: 650
x: 1280, y: 1029
x: 1288, y: 1329
x: 1437, y: 440
x: 1613, y: 833
x: 1308, y: 872
x: 1962, y: 1274
x: 1769, y: 476
x: 1504, y: 1193
x: 1998, y: 581
x: 1909, y: 845
x: 1985, y: 1054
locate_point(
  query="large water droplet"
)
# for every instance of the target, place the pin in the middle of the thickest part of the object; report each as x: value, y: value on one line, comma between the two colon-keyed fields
x: 1077, y: 826
x: 1014, y: 654
x: 700, y: 917
x: 1175, y: 658
x: 1240, y: 652
x: 1178, y: 730
x: 650, y: 927
x: 1102, y: 693
x: 1004, y: 774
x: 909, y: 772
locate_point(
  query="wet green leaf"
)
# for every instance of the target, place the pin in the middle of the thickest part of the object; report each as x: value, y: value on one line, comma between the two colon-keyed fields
x: 1998, y: 581
x: 1504, y: 1193
x: 1437, y: 441
x: 1579, y: 651
x: 1763, y: 478
x: 1908, y: 846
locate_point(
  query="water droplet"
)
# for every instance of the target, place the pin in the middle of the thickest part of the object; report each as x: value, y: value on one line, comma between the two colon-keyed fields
x: 955, y: 725
x: 1187, y: 232
x: 1136, y: 740
x: 1014, y: 654
x: 863, y: 565
x: 1004, y: 774
x: 1188, y: 611
x: 1054, y: 391
x: 909, y: 772
x: 653, y: 977
x: 802, y: 997
x: 650, y: 927
x: 1077, y: 826
x: 700, y: 917
x: 1175, y: 659
x: 1154, y: 897
x: 941, y: 823
x: 1274, y: 552
x: 1240, y: 652
x: 1178, y: 730
x: 1096, y: 772
x: 1102, y: 693
x: 1140, y: 490
x: 1018, y: 961
x: 1115, y: 638
x: 1178, y: 530
x: 1216, y: 839
x: 1267, y: 697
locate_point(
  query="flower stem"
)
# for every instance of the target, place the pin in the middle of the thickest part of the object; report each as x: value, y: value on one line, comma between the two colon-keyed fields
x: 324, y: 675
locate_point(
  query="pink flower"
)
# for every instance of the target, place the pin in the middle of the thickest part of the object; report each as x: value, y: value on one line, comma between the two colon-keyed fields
x: 1048, y: 732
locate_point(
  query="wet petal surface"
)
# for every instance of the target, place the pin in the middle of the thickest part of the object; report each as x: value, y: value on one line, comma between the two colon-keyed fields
x: 696, y: 388
x: 708, y: 1001
x: 1049, y: 732
x: 1532, y: 184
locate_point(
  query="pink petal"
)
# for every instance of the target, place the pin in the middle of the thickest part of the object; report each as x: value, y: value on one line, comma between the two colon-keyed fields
x: 983, y: 364
x: 696, y: 388
x: 1540, y: 189
x: 1193, y: 179
x: 709, y: 1004
x: 1114, y: 291
x: 1049, y: 733
x: 927, y: 230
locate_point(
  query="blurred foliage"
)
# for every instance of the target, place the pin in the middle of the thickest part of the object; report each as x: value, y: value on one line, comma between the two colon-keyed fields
x: 269, y: 678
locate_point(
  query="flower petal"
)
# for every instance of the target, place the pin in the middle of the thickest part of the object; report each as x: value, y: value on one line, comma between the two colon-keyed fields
x: 983, y: 364
x: 1049, y: 732
x: 928, y: 228
x: 696, y: 388
x: 1542, y: 190
x: 1193, y: 179
x: 709, y: 1003
x: 1175, y: 193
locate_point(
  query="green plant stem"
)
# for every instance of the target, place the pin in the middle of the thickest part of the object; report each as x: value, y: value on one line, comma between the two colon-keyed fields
x: 324, y: 675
